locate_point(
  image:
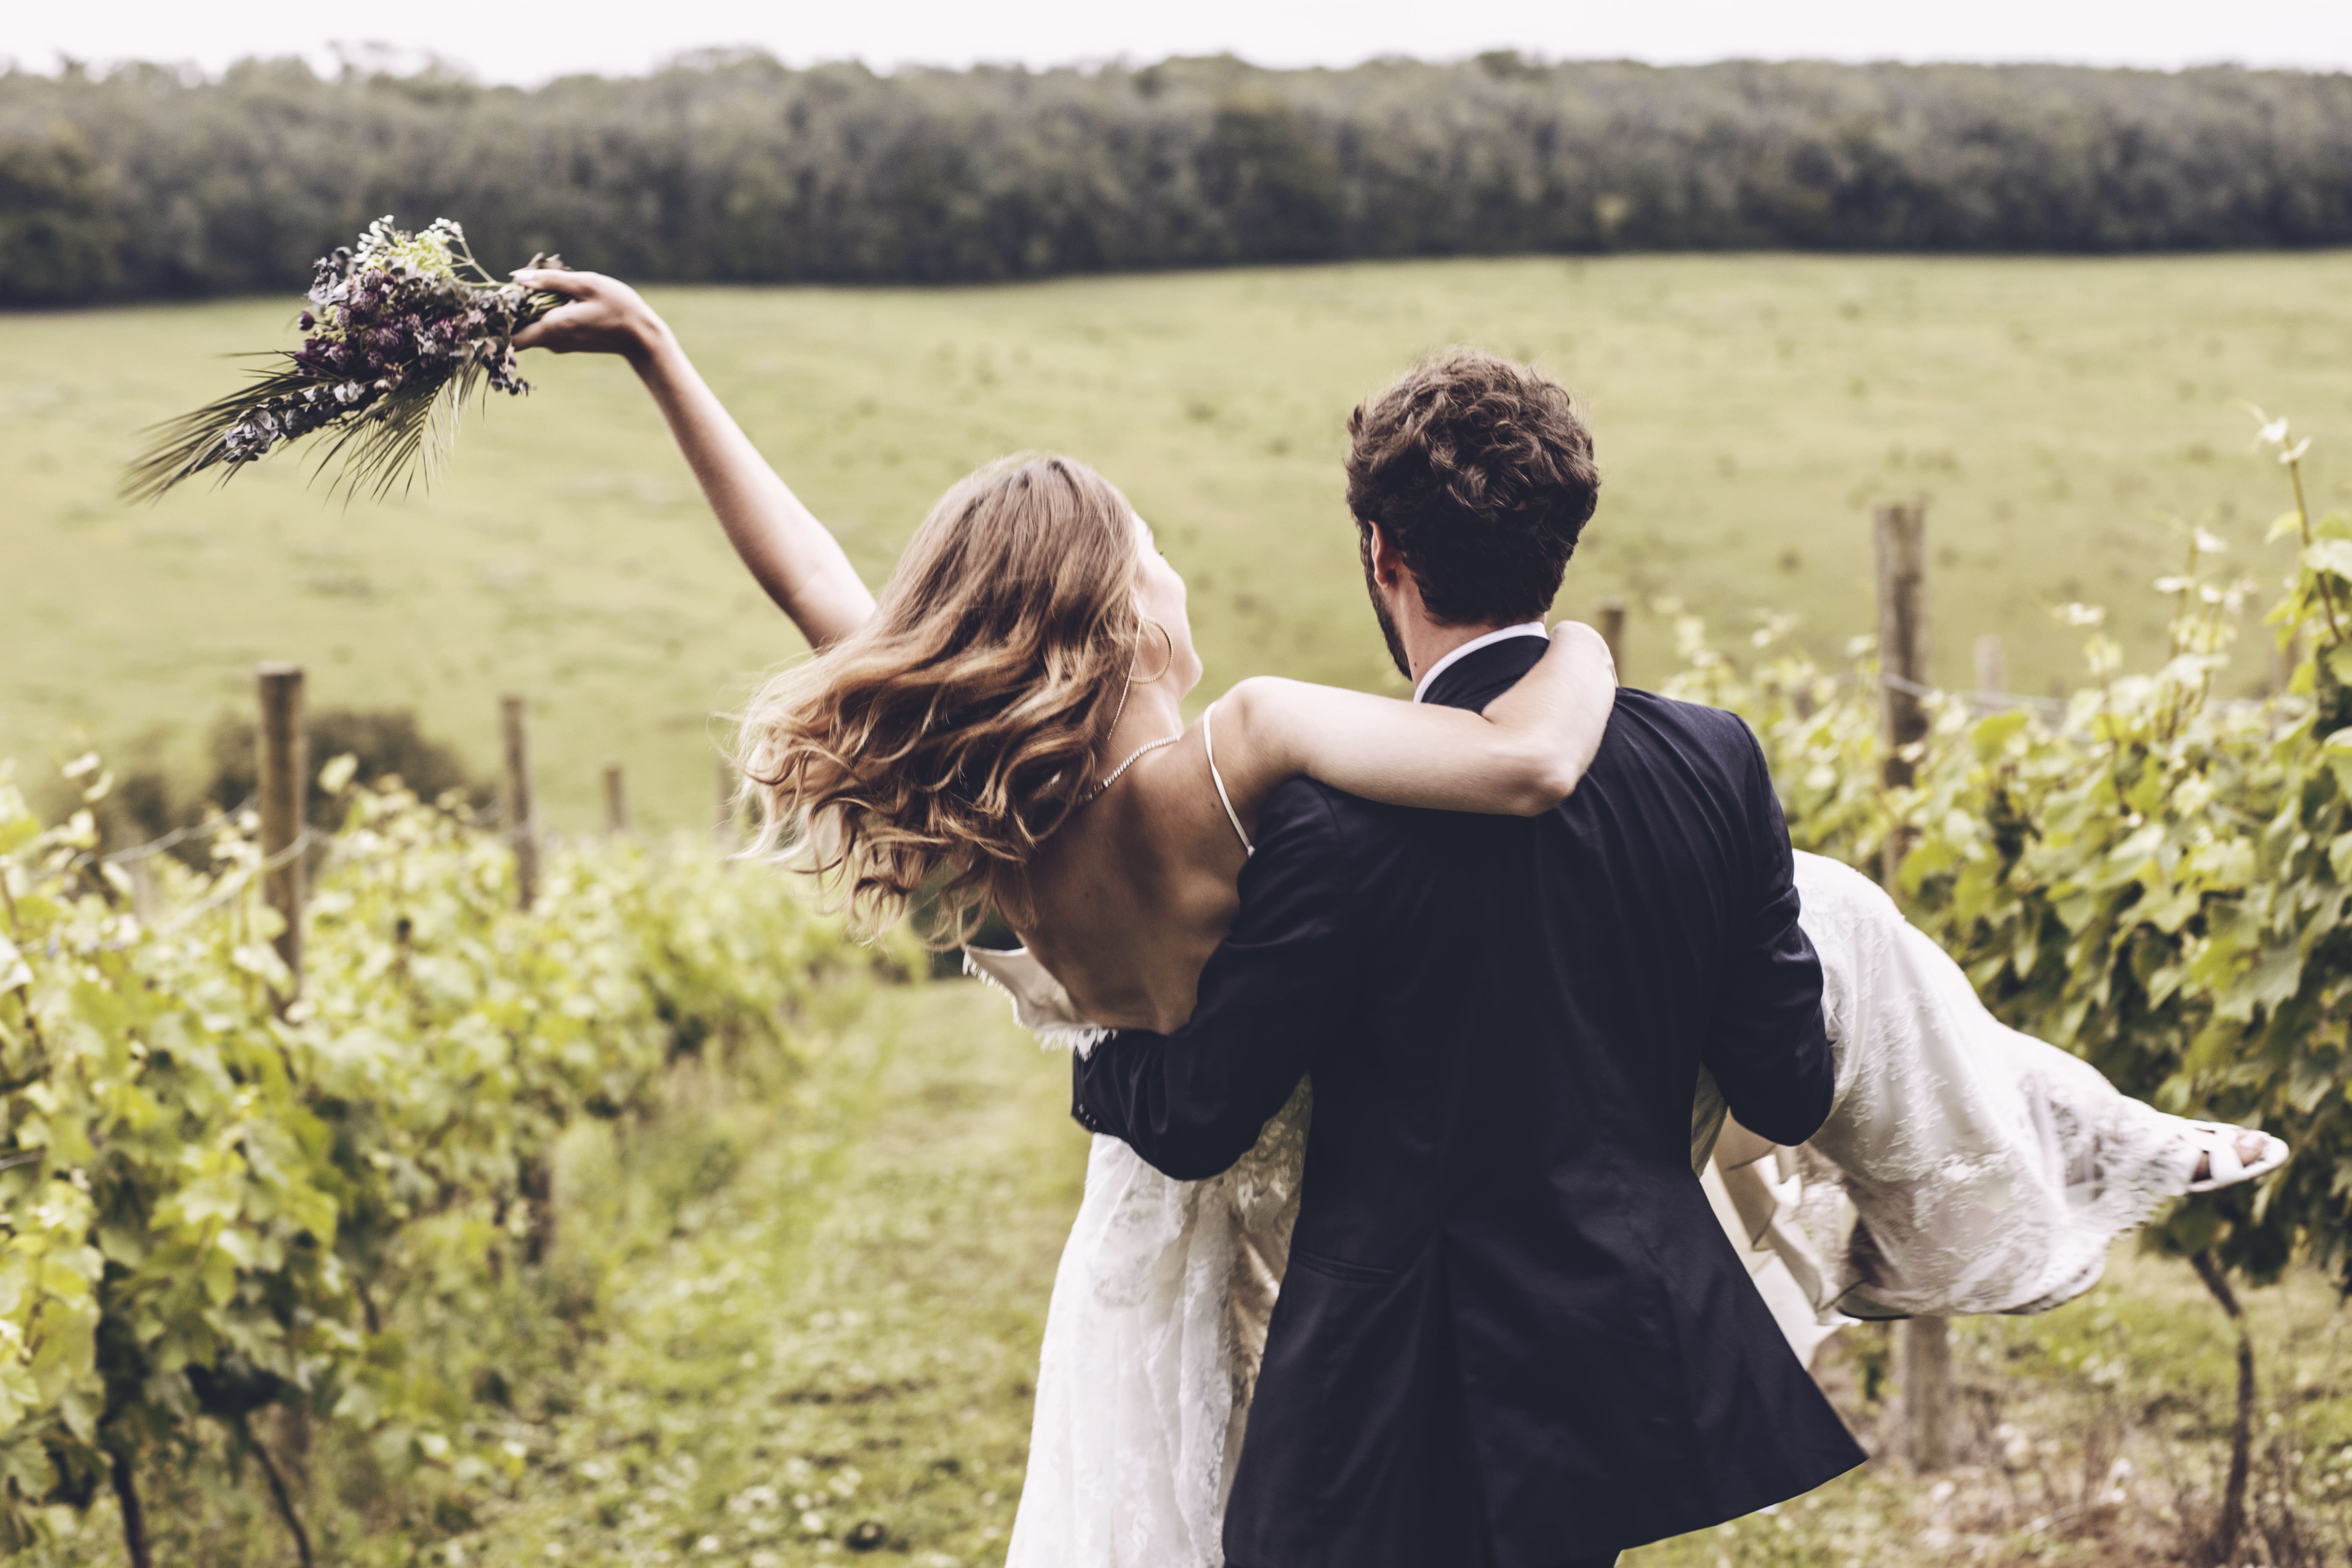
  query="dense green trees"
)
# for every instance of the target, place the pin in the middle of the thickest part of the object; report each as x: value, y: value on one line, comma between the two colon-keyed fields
x: 147, y: 181
x: 58, y: 239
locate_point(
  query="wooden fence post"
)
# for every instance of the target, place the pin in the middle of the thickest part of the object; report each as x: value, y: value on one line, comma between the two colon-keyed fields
x: 522, y: 813
x: 1926, y: 1368
x: 1992, y: 666
x: 283, y: 766
x: 616, y: 800
x: 727, y: 825
x: 1901, y: 536
x: 1609, y: 617
x: 145, y: 902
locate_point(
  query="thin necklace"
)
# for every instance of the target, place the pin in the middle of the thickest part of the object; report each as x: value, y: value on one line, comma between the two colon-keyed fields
x: 1134, y: 756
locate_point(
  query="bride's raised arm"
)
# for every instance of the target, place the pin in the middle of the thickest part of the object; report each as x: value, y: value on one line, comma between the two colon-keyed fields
x: 792, y: 556
x: 1521, y: 757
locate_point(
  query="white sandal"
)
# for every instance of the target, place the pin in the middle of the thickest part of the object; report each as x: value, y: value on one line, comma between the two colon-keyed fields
x: 2218, y: 1142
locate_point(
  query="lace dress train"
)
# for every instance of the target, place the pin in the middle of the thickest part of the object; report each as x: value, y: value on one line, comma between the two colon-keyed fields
x: 1965, y: 1167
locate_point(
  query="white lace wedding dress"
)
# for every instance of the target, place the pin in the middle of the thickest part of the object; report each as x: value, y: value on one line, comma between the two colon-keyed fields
x: 1964, y: 1168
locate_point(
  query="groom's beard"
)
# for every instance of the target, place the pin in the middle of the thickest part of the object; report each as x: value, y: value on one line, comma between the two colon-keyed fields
x: 1380, y: 610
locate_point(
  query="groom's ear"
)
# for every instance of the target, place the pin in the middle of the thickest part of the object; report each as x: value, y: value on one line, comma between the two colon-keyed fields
x: 1381, y: 556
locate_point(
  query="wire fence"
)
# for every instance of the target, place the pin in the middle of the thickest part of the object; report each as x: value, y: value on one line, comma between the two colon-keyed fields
x: 1978, y: 702
x: 177, y: 837
x: 491, y: 815
x: 236, y: 886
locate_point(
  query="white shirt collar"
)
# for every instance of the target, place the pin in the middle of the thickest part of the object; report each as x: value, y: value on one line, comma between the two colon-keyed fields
x: 1525, y: 629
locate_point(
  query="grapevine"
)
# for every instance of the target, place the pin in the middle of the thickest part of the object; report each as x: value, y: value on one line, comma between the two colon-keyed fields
x: 207, y: 1209
x: 2153, y: 877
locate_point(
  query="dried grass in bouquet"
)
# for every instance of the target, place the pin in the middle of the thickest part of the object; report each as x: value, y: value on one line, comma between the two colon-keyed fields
x: 403, y: 329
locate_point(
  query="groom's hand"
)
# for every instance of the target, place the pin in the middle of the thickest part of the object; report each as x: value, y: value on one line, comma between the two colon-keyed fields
x: 1273, y: 995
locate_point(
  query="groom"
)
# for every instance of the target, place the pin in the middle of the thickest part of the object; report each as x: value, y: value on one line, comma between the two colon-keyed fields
x: 1512, y: 1333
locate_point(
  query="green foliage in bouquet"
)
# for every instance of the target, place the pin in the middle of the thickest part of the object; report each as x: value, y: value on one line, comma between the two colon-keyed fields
x: 208, y: 1208
x: 404, y: 328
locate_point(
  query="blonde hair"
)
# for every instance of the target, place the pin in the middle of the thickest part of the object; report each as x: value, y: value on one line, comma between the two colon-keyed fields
x: 926, y: 756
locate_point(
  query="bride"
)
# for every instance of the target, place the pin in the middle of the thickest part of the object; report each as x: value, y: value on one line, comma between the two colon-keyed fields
x: 1002, y: 732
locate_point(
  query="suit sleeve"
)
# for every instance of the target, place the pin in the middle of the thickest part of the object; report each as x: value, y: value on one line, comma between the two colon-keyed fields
x: 1194, y: 1101
x: 1770, y: 1053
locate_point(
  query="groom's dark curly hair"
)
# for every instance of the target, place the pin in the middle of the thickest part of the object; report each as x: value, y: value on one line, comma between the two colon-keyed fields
x: 1480, y: 472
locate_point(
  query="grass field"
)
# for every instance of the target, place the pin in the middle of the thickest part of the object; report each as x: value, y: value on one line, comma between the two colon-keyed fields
x: 2061, y: 418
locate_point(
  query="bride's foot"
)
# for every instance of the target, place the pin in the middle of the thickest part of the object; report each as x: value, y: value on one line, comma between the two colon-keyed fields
x: 2229, y: 1155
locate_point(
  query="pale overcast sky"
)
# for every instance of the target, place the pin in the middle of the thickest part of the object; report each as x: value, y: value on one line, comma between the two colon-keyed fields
x: 527, y: 43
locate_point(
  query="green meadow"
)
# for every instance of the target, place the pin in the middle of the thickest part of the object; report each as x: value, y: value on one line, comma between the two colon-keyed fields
x: 2064, y: 420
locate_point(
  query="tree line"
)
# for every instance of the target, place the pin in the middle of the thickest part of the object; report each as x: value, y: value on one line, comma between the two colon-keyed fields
x: 145, y: 180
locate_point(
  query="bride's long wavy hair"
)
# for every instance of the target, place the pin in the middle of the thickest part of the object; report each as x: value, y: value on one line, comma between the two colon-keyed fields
x: 926, y: 755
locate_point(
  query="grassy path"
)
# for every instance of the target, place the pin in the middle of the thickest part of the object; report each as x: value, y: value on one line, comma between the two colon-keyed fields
x: 834, y: 1352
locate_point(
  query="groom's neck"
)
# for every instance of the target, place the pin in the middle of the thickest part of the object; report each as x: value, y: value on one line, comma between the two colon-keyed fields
x: 1425, y: 641
x: 1419, y: 636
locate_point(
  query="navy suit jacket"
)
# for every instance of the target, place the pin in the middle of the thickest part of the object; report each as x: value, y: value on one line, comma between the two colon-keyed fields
x: 1512, y: 1331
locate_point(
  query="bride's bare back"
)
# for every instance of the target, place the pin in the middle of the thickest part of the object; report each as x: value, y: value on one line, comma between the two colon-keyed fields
x: 1130, y: 897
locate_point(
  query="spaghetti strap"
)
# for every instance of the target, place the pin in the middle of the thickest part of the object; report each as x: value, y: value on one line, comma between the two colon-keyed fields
x: 1209, y: 742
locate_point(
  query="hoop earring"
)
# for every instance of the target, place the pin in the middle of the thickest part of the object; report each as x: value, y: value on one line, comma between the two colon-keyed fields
x: 1166, y: 665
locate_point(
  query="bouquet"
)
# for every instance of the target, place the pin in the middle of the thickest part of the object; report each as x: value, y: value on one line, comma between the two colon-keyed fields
x: 402, y: 330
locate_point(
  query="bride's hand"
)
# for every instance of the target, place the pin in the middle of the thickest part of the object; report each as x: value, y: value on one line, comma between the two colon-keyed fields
x: 1559, y: 709
x: 800, y: 564
x: 604, y: 315
x: 1588, y: 647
